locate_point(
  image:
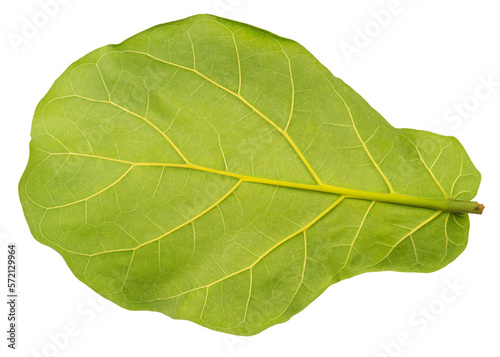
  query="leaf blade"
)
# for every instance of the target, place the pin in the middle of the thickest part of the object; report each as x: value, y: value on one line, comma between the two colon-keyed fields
x: 236, y: 200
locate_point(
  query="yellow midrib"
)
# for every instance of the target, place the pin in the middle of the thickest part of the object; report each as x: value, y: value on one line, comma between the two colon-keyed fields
x: 438, y: 204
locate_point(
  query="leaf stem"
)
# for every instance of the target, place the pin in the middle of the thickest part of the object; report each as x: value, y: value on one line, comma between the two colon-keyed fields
x: 439, y: 204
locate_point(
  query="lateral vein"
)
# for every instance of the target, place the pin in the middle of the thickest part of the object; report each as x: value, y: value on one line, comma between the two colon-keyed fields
x: 361, y: 139
x: 236, y: 95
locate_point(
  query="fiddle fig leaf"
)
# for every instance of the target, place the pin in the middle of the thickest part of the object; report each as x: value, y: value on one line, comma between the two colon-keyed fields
x: 215, y: 172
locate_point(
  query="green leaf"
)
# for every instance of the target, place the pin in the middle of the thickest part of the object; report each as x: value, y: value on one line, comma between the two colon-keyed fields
x: 218, y: 173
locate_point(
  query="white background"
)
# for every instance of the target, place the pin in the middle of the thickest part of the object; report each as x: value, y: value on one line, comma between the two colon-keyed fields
x: 415, y: 69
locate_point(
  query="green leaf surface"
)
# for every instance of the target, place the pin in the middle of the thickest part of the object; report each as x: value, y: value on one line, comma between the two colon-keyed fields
x: 218, y: 173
